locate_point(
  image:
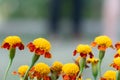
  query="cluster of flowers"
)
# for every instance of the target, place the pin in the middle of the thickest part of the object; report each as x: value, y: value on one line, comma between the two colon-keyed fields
x: 69, y: 71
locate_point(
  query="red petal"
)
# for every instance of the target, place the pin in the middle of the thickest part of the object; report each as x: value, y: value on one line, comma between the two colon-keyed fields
x: 42, y: 52
x: 93, y: 44
x: 117, y: 45
x: 21, y: 47
x: 66, y: 77
x: 31, y: 47
x: 39, y: 52
x: 74, y: 52
x: 6, y: 45
x: 116, y: 55
x: 83, y: 55
x: 14, y: 73
x: 91, y: 55
x: 102, y: 47
x: 47, y: 55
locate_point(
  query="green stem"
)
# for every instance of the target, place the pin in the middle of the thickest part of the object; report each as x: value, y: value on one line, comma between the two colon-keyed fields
x: 99, y: 68
x: 101, y: 56
x: 34, y: 60
x: 95, y: 78
x: 6, y: 73
x: 54, y: 76
x: 94, y: 71
x: 82, y: 66
x: 11, y: 57
x: 118, y: 75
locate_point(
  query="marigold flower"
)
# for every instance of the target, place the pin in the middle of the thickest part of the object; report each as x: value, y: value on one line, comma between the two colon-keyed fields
x: 22, y: 70
x: 84, y: 50
x: 12, y: 42
x: 116, y: 63
x: 41, y: 47
x: 109, y: 75
x: 42, y: 69
x: 70, y: 69
x: 57, y: 66
x: 103, y: 42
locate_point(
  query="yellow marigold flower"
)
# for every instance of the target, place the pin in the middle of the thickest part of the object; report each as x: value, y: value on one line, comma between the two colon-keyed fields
x: 22, y: 70
x: 92, y: 60
x: 83, y: 50
x: 109, y: 75
x: 57, y: 66
x: 70, y: 69
x: 42, y: 44
x: 103, y: 42
x: 12, y: 42
x: 116, y: 63
x: 42, y: 68
x: 41, y: 47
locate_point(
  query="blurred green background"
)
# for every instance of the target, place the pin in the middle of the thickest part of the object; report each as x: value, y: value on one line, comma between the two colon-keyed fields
x: 37, y: 9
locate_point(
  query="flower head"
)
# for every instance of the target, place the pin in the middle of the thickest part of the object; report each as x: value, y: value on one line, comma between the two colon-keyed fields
x: 103, y: 42
x: 41, y: 70
x: 21, y: 70
x: 41, y: 47
x: 12, y: 42
x: 109, y: 75
x: 116, y: 63
x: 84, y: 50
x: 57, y: 66
x: 70, y: 69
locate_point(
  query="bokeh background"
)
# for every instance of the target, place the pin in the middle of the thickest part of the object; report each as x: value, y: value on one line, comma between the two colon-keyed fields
x: 65, y: 23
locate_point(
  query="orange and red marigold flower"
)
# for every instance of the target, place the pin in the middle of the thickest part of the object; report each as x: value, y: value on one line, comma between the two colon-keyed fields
x: 70, y: 71
x: 103, y: 42
x: 40, y: 70
x: 40, y: 46
x: 83, y: 50
x: 12, y: 42
x: 21, y: 70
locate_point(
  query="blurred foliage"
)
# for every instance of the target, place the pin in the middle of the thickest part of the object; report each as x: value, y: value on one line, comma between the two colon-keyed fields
x: 41, y: 8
